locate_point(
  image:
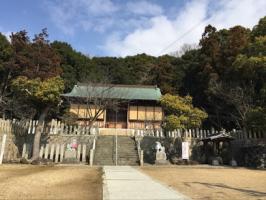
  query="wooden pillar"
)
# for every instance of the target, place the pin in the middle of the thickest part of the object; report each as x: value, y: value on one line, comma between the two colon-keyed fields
x: 104, y: 119
x: 128, y: 110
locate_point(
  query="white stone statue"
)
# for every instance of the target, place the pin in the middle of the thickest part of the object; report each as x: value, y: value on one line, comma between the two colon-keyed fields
x: 158, y: 146
x: 160, y: 154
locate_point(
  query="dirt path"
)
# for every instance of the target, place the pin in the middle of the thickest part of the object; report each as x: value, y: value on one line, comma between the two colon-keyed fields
x: 43, y: 182
x: 211, y: 183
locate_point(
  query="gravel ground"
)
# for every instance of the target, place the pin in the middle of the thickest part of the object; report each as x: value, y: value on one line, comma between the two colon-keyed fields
x: 48, y: 182
x: 206, y: 183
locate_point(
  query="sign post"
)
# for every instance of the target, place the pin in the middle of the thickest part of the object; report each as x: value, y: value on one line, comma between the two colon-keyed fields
x: 185, y: 150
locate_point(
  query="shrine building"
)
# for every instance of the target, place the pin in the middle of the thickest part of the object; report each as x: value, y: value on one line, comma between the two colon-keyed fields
x: 118, y: 106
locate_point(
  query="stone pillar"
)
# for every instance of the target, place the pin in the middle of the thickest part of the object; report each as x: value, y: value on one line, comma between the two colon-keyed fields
x: 2, y: 150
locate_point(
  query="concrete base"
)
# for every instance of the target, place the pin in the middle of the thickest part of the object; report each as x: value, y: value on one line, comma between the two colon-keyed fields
x: 215, y: 162
x: 162, y: 162
x: 70, y: 161
x: 233, y: 163
x: 70, y: 157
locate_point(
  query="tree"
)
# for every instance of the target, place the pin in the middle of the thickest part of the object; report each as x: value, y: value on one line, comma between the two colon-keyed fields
x: 112, y: 68
x: 215, y: 61
x: 183, y: 49
x: 5, y: 72
x: 38, y: 79
x: 260, y: 28
x: 256, y: 118
x: 76, y: 67
x: 45, y: 94
x: 180, y: 113
x: 138, y: 68
x: 162, y: 74
x: 239, y: 97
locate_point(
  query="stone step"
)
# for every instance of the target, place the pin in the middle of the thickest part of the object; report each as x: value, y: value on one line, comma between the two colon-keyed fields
x: 127, y: 154
x: 105, y: 151
x: 128, y: 163
x: 127, y: 150
x: 128, y: 157
x: 126, y: 147
x: 104, y: 164
x: 103, y: 144
x: 98, y: 149
x: 135, y: 159
x: 105, y: 158
x: 104, y: 154
x: 125, y: 144
x: 104, y: 161
x: 127, y: 160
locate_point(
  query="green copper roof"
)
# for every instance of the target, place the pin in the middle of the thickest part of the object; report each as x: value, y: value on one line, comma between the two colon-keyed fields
x: 127, y: 92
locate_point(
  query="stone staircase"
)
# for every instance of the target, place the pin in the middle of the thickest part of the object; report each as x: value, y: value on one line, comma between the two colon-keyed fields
x: 105, y: 151
x: 127, y: 152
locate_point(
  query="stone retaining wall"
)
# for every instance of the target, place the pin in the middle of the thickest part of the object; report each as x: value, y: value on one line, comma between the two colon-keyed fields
x: 172, y: 146
x: 17, y: 145
x: 244, y: 151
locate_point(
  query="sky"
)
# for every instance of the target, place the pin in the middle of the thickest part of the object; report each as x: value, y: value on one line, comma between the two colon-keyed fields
x: 127, y: 27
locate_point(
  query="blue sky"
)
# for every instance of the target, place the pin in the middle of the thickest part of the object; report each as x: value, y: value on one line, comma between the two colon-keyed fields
x: 127, y: 27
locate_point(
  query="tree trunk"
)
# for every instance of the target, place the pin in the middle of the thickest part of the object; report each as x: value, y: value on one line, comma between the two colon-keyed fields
x: 38, y: 133
x: 245, y: 129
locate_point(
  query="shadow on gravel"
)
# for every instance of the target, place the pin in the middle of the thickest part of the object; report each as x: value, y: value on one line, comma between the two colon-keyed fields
x: 220, y: 185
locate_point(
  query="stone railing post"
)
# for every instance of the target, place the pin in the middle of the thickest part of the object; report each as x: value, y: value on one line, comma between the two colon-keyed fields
x: 92, y: 151
x: 91, y: 157
x: 140, y: 152
x: 2, y: 150
x: 141, y: 158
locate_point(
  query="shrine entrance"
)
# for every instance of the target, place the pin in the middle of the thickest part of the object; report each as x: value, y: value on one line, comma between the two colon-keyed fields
x: 116, y: 118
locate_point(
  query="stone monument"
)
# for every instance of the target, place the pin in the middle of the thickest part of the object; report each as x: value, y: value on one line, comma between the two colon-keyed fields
x: 71, y: 152
x: 160, y: 154
x: 233, y: 163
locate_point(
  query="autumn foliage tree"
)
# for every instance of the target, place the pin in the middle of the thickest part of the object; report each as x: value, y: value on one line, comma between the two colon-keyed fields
x: 38, y: 78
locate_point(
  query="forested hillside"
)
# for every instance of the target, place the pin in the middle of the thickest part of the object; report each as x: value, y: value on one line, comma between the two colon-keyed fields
x: 225, y: 75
